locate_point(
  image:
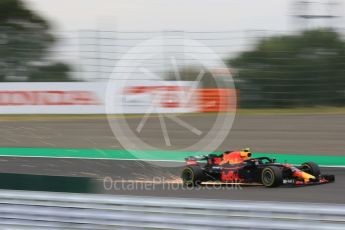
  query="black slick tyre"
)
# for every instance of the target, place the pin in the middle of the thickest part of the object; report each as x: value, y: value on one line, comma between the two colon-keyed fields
x: 271, y: 176
x: 311, y: 168
x: 192, y: 175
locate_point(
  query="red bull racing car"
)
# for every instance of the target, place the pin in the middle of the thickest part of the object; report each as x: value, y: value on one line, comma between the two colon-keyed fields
x: 238, y: 167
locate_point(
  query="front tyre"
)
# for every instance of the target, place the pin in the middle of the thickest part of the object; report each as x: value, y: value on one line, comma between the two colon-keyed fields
x: 311, y: 168
x: 271, y: 176
x: 192, y: 175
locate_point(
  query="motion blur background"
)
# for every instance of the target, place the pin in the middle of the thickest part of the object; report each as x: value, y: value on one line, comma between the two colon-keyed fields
x: 275, y: 68
x: 282, y: 53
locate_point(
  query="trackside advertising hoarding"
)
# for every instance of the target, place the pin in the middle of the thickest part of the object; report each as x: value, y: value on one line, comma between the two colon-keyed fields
x: 89, y: 98
x: 52, y: 98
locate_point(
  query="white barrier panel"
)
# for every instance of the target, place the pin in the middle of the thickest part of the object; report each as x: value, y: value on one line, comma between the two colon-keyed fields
x: 89, y: 98
x: 157, y: 97
x: 47, y: 210
x: 51, y: 98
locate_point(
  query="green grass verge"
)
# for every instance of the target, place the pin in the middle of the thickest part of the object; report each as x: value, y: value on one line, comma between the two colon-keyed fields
x: 289, y: 111
x: 296, y: 111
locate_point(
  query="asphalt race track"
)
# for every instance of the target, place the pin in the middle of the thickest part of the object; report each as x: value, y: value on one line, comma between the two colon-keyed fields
x: 298, y: 134
x: 142, y: 178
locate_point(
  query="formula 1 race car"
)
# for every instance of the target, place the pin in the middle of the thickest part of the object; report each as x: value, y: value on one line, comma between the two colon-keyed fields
x: 238, y: 167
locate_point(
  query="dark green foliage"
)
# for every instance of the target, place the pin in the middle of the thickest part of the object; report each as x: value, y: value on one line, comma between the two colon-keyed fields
x: 307, y: 69
x: 24, y: 43
x: 56, y: 72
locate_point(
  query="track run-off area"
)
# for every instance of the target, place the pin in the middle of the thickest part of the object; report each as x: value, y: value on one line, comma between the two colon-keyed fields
x: 87, y: 147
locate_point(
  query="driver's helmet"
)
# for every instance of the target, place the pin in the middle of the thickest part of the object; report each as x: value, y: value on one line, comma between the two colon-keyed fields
x: 246, y: 154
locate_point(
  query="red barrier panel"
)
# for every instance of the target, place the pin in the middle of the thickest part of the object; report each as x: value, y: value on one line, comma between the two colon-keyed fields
x: 217, y: 100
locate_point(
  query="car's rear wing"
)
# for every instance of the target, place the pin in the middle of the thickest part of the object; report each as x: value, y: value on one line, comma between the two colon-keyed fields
x: 194, y: 160
x: 197, y: 158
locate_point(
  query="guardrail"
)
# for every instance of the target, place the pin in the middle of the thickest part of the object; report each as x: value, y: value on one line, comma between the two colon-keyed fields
x: 47, y: 210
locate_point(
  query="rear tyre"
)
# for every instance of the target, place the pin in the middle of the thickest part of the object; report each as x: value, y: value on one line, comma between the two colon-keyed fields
x: 271, y: 176
x: 192, y: 175
x: 311, y: 168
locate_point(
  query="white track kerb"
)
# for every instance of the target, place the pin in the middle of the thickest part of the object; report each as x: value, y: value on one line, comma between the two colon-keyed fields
x: 135, y: 69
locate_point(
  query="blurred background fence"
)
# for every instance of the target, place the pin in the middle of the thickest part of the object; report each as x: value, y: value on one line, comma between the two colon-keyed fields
x: 269, y: 68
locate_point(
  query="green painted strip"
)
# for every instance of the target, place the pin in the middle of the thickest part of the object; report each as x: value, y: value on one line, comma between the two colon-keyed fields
x: 155, y: 155
x: 300, y: 158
